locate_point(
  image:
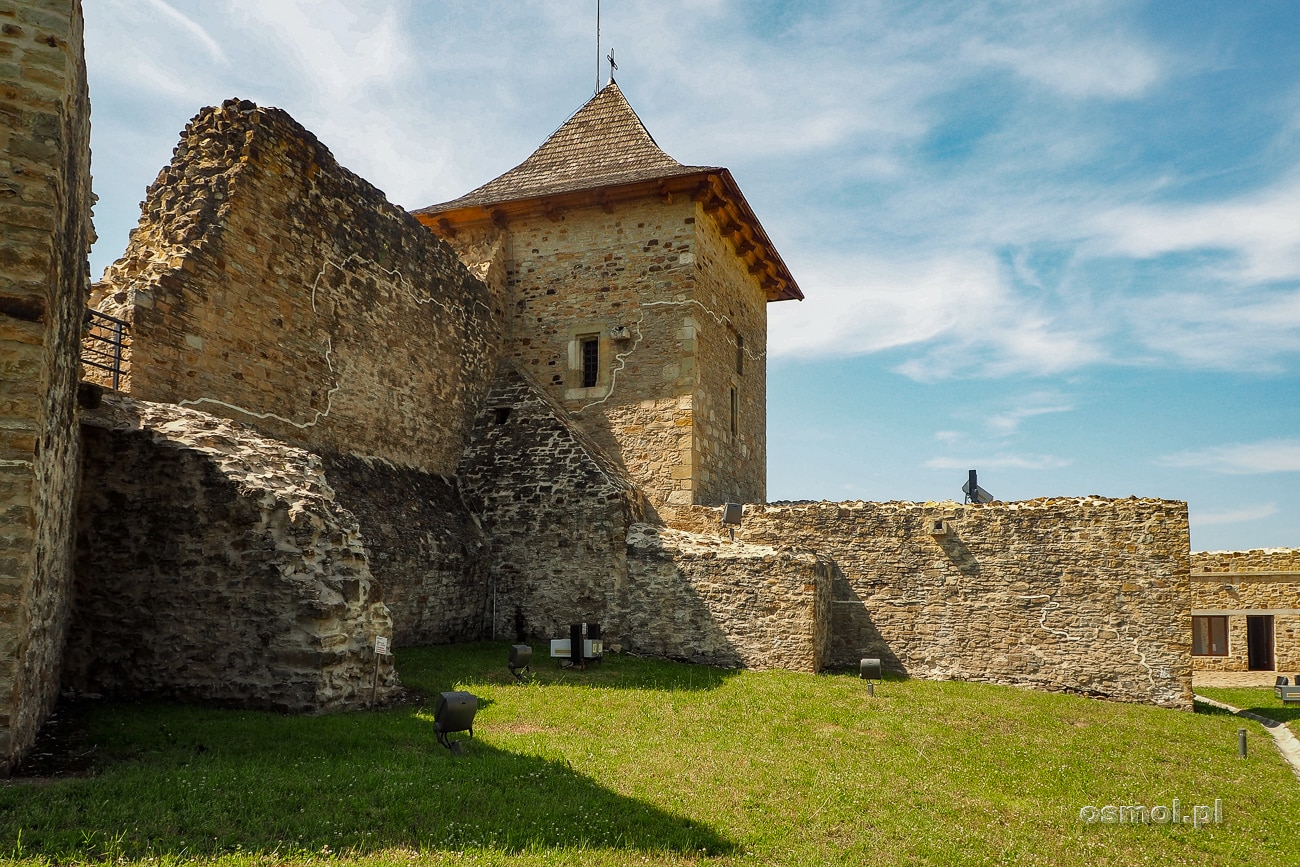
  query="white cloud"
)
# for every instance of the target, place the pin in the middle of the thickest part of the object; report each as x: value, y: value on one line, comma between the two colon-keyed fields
x: 1007, y: 423
x: 191, y: 26
x: 1000, y: 462
x: 958, y: 310
x: 1268, y: 456
x: 1236, y: 516
x: 1260, y: 229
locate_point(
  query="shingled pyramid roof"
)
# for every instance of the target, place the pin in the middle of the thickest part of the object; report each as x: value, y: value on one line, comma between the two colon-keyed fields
x: 602, y: 155
x: 603, y: 144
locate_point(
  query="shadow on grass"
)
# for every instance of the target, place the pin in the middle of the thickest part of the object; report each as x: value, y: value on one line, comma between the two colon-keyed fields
x: 428, y: 670
x: 1285, y: 714
x: 185, y: 781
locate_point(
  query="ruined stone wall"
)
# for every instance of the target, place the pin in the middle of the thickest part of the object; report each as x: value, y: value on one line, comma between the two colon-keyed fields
x: 717, y: 602
x: 557, y: 511
x: 587, y: 272
x: 1081, y: 595
x: 1239, y: 584
x: 732, y: 466
x: 216, y: 564
x: 425, y: 548
x: 45, y: 234
x: 267, y: 284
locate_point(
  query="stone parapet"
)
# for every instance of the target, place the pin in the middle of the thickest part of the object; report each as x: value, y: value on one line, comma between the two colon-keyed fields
x: 1084, y: 595
x: 712, y: 601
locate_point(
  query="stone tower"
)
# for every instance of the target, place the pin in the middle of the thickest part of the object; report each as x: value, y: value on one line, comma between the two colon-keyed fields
x: 635, y: 288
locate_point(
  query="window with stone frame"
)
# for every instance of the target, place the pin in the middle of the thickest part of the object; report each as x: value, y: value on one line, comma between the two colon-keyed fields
x: 589, y: 359
x: 1210, y: 636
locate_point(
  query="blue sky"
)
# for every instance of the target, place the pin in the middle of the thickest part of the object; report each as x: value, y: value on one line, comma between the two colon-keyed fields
x: 1058, y: 243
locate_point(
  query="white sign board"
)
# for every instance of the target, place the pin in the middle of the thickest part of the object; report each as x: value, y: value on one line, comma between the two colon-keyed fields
x: 381, y: 645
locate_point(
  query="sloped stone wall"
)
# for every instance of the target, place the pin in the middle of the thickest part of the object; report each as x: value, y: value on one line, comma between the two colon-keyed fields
x: 267, y: 284
x: 557, y: 511
x: 1082, y: 595
x: 425, y: 548
x: 216, y: 564
x: 1240, y: 584
x: 718, y: 602
x: 45, y: 234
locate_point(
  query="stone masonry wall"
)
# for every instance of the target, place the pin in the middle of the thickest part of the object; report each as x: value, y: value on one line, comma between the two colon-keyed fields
x: 587, y: 272
x: 718, y: 602
x: 216, y: 564
x: 45, y: 234
x: 425, y: 548
x: 267, y: 284
x: 557, y: 511
x: 732, y: 467
x: 1238, y: 584
x: 1079, y: 595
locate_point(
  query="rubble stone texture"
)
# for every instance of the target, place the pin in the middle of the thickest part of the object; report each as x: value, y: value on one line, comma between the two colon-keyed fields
x: 557, y: 511
x: 708, y: 600
x: 267, y: 284
x: 1239, y: 584
x: 45, y: 234
x: 426, y: 549
x: 1080, y: 595
x: 217, y: 564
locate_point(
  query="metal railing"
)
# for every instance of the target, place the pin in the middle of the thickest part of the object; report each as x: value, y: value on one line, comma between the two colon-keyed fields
x: 103, y: 344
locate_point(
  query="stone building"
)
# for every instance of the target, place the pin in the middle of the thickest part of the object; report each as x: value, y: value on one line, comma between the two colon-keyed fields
x: 639, y: 291
x: 1246, y: 611
x: 337, y: 421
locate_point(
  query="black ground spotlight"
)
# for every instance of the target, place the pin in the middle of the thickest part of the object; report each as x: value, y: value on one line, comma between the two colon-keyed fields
x: 869, y: 670
x: 454, y: 712
x: 521, y: 656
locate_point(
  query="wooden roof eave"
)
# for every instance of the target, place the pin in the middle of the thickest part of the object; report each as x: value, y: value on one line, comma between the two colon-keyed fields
x: 714, y: 189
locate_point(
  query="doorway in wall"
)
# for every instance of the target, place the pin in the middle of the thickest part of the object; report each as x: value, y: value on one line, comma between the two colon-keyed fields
x: 1259, y: 642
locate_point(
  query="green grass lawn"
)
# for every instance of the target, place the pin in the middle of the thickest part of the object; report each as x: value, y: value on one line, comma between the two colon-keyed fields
x: 646, y: 762
x: 1260, y: 700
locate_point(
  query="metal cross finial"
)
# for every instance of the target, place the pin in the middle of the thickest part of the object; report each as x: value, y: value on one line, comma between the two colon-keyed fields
x: 612, y: 65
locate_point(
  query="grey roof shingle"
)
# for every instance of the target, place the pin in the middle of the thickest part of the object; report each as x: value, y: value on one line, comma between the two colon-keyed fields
x: 604, y: 143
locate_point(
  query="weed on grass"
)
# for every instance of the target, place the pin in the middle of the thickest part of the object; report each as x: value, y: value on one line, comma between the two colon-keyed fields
x: 637, y: 761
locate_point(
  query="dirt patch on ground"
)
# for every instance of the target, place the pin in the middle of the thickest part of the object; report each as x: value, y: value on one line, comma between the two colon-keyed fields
x: 63, y: 748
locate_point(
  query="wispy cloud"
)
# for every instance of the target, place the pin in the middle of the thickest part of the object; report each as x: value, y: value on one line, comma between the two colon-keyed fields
x: 1007, y: 423
x: 1236, y: 516
x: 1260, y: 229
x: 1268, y: 456
x: 192, y: 27
x: 999, y: 462
x: 959, y: 312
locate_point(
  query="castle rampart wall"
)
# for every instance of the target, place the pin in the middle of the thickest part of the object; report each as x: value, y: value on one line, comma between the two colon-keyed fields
x: 1081, y: 595
x: 267, y: 284
x: 707, y: 600
x: 426, y: 549
x: 217, y: 564
x: 1264, y: 582
x: 45, y: 234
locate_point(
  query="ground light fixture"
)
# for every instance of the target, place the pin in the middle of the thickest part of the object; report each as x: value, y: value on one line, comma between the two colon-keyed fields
x: 869, y: 670
x: 454, y: 712
x: 521, y: 656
